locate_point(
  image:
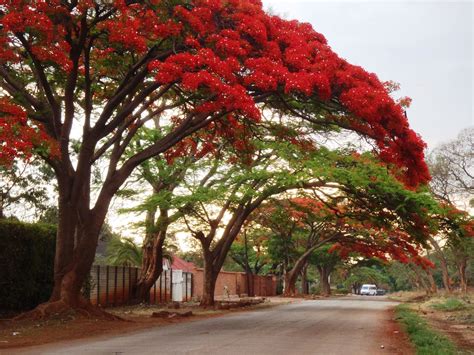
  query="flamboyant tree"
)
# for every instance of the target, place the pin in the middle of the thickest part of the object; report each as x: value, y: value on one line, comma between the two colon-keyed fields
x: 90, y: 73
x: 299, y: 226
x: 249, y: 252
x: 325, y: 262
x: 457, y: 230
x: 365, y: 274
x: 372, y: 214
x: 162, y: 177
x: 234, y: 191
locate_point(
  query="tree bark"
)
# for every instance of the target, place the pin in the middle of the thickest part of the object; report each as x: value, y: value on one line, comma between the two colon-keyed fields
x: 210, y: 279
x: 152, y: 263
x: 290, y: 283
x: 433, y: 287
x: 152, y: 267
x: 76, y: 241
x: 324, y: 273
x: 443, y: 264
x: 462, y: 266
x: 292, y: 275
x: 304, y: 280
x: 420, y: 280
x: 214, y: 258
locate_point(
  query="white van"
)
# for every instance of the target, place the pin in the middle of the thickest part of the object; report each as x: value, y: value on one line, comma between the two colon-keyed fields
x: 369, y: 290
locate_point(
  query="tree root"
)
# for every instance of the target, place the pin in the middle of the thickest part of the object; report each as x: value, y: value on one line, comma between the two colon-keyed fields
x: 60, y: 310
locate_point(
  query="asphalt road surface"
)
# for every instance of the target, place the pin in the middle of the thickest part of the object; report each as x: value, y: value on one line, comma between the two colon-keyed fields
x: 350, y: 325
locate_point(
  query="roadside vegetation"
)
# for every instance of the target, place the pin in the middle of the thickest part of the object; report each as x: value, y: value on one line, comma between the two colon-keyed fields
x: 426, y: 340
x: 451, y: 304
x: 448, y: 316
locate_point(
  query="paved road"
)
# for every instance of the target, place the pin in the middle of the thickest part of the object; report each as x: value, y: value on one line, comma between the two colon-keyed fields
x: 350, y: 325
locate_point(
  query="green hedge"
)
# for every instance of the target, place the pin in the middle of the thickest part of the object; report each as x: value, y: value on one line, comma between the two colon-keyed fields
x: 26, y: 264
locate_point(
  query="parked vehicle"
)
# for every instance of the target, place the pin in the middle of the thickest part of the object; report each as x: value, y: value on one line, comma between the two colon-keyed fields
x: 381, y: 292
x: 368, y: 290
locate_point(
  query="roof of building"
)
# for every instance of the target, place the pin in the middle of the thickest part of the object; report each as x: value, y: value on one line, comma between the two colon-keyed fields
x: 180, y: 264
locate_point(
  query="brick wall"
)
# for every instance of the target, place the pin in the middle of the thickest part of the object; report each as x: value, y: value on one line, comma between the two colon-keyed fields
x: 236, y: 283
x: 111, y: 285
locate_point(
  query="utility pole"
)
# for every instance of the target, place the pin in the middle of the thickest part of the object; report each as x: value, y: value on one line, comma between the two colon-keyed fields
x: 247, y: 266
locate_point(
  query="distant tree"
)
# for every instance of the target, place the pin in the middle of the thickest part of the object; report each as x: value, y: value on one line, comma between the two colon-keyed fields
x: 366, y: 275
x: 24, y: 187
x: 249, y: 252
x: 193, y: 256
x: 452, y: 168
x: 325, y: 263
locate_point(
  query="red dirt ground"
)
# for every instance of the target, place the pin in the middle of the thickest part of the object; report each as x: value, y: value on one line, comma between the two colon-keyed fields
x: 16, y: 334
x: 397, y: 341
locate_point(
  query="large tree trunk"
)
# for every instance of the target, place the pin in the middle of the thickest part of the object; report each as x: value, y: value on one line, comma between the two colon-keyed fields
x: 250, y: 285
x: 211, y: 270
x: 210, y: 279
x: 214, y: 259
x: 152, y: 263
x: 292, y: 275
x: 290, y: 283
x: 152, y: 267
x: 324, y: 273
x: 443, y: 264
x: 76, y: 242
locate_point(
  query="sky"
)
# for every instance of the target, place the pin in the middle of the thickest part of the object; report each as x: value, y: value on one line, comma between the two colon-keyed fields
x: 426, y: 46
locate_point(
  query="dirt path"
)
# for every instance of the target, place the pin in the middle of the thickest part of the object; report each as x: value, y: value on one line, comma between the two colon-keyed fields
x: 350, y: 325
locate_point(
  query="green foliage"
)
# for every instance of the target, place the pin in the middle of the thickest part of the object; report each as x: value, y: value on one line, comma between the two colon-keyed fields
x: 26, y: 264
x: 323, y: 258
x: 124, y: 252
x: 367, y: 275
x: 400, y: 276
x: 249, y: 251
x: 23, y: 187
x: 193, y: 256
x: 426, y: 341
x: 451, y: 304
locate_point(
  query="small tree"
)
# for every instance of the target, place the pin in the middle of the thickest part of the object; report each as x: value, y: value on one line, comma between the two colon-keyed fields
x: 124, y: 252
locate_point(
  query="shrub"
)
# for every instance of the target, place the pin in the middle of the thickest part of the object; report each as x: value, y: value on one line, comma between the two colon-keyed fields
x: 451, y: 304
x: 26, y: 264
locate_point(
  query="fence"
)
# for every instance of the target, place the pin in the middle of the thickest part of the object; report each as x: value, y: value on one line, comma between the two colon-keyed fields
x: 113, y: 286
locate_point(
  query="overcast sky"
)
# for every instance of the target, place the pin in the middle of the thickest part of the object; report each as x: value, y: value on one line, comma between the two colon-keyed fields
x: 426, y: 46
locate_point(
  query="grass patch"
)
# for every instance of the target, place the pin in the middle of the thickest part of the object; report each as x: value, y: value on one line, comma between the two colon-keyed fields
x: 426, y: 340
x: 450, y: 305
